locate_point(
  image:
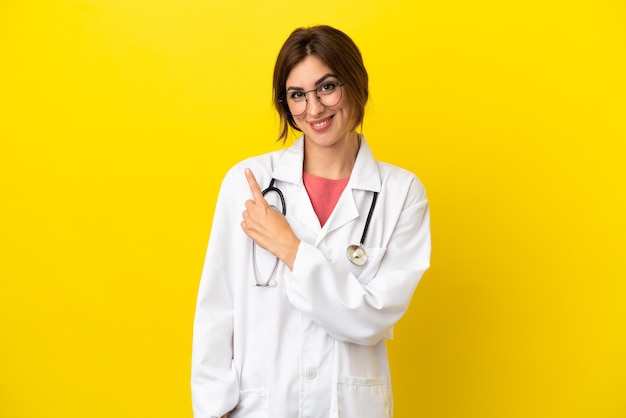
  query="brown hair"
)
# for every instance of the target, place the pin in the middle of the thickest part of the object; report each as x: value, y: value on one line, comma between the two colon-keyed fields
x: 336, y: 50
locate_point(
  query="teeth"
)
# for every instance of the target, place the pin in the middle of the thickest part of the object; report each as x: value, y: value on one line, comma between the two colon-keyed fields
x: 320, y: 124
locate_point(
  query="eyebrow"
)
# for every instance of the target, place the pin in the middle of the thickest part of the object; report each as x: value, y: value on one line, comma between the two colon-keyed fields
x: 317, y: 83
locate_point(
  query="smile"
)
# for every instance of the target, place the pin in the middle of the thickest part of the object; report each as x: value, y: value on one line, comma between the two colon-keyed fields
x: 321, y: 124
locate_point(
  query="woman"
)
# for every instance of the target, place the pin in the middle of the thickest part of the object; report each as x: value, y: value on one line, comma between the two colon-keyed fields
x: 289, y: 322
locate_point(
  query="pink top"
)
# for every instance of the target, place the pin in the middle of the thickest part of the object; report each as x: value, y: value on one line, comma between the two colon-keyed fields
x: 324, y: 194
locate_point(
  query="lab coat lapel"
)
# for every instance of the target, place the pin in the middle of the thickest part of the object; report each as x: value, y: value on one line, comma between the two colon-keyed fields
x: 289, y: 166
x: 289, y: 169
x: 364, y: 177
x: 305, y: 214
x: 345, y: 211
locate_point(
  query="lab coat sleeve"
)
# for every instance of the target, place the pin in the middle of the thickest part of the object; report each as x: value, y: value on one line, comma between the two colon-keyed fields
x: 214, y: 383
x: 363, y: 313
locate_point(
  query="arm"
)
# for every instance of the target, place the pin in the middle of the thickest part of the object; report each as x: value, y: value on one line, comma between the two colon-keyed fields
x: 349, y: 310
x: 362, y: 312
x: 266, y: 226
x: 214, y: 384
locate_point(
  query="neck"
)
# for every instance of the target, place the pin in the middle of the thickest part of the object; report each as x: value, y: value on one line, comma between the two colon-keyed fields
x: 333, y: 162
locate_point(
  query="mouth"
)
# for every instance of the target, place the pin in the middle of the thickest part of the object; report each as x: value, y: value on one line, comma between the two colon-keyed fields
x: 322, y: 124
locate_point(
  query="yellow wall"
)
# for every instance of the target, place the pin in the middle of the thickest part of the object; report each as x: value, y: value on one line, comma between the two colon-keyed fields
x: 118, y: 119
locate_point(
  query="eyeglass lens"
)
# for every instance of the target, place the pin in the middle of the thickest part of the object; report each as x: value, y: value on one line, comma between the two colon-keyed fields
x: 328, y: 94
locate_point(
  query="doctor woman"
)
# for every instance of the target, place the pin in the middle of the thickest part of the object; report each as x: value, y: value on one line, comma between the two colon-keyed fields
x: 302, y: 285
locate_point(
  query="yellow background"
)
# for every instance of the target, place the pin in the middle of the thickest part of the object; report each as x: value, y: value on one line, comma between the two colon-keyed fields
x: 119, y: 118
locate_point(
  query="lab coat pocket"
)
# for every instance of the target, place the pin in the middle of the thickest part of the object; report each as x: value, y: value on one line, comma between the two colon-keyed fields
x: 368, y: 271
x: 363, y: 397
x: 252, y: 404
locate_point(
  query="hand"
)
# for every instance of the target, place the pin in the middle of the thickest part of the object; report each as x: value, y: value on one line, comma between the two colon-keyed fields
x: 268, y: 227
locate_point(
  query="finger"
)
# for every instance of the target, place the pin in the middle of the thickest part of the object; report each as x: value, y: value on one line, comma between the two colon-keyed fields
x: 257, y: 194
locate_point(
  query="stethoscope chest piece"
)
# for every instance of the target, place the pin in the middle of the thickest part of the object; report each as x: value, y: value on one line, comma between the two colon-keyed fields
x: 356, y: 254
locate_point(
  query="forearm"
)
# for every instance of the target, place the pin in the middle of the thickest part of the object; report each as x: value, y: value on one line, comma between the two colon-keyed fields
x: 347, y: 309
x: 214, y: 382
x: 362, y: 309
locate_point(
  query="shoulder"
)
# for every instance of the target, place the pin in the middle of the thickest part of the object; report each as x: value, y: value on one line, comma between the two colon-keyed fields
x: 390, y: 173
x: 399, y: 181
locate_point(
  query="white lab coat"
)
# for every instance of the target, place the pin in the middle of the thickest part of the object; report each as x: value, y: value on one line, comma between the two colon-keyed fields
x: 314, y: 345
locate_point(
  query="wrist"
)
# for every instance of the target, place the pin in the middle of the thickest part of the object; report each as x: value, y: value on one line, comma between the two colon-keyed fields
x: 288, y: 253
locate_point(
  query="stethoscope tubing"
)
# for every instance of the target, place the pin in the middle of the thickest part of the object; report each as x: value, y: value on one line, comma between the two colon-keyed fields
x: 369, y: 218
x: 270, y: 282
x: 272, y: 188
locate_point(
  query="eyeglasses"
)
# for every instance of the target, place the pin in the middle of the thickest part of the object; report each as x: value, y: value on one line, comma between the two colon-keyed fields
x: 328, y: 94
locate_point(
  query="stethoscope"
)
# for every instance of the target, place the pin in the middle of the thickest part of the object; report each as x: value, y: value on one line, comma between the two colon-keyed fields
x: 355, y: 252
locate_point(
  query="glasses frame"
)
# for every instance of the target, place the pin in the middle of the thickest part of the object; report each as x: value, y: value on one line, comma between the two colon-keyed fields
x: 305, y: 93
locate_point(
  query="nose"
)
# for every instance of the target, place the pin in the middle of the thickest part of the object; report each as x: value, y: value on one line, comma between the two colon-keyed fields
x: 314, y: 107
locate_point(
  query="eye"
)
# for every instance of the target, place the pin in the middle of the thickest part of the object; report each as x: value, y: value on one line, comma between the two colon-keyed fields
x: 296, y: 96
x: 327, y: 88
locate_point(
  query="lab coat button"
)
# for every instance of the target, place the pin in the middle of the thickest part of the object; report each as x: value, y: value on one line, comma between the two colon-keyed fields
x: 310, y: 373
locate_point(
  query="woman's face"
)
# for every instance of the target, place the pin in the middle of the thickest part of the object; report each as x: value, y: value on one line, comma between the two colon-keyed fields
x: 325, y: 126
